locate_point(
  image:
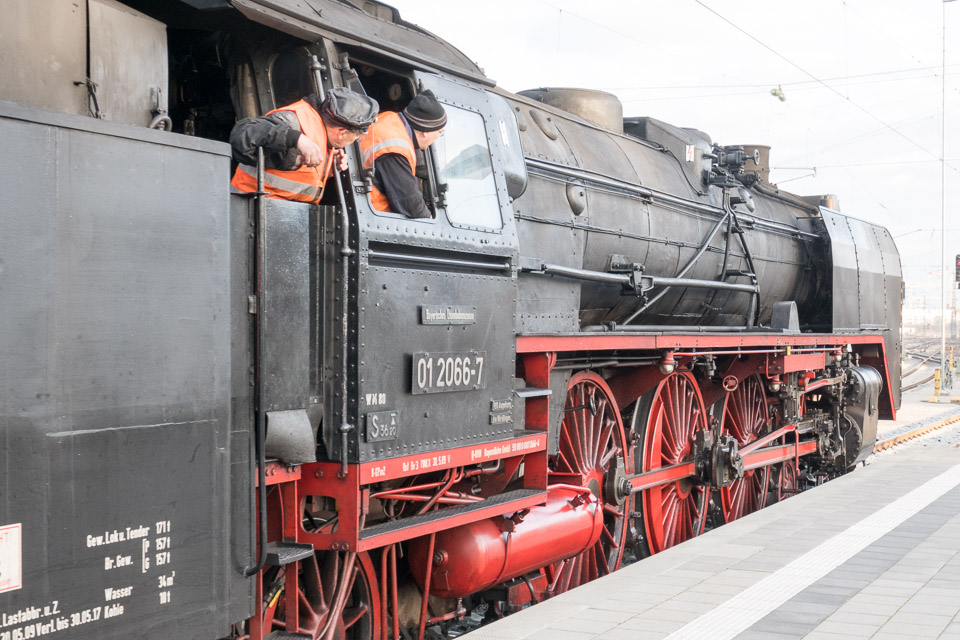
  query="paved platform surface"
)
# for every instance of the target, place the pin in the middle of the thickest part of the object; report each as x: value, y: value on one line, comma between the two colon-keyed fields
x: 873, y: 554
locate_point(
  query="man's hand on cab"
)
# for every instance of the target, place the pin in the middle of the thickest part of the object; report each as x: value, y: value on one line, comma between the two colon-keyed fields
x: 341, y: 159
x: 310, y: 151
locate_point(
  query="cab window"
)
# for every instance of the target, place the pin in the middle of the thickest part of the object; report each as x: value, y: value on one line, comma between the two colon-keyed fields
x: 464, y: 166
x: 290, y: 77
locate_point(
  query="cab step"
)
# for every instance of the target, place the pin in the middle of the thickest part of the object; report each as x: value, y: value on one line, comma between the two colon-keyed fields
x: 281, y: 553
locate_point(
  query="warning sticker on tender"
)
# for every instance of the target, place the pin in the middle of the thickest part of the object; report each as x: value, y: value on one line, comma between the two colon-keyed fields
x: 11, y: 558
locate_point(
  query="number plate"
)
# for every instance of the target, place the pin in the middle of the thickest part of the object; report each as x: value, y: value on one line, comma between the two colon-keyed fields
x: 383, y: 425
x: 448, y: 371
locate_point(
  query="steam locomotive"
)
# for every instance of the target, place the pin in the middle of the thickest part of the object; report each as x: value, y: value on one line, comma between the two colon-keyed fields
x: 228, y: 416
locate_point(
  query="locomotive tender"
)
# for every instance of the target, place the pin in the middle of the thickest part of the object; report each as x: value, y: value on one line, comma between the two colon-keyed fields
x: 228, y: 417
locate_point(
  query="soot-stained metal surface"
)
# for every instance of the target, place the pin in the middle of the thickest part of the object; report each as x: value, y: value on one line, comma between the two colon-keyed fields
x: 116, y: 311
x: 866, y: 277
x: 436, y: 347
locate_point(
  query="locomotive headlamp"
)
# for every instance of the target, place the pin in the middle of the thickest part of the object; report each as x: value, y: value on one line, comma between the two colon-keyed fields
x: 668, y: 365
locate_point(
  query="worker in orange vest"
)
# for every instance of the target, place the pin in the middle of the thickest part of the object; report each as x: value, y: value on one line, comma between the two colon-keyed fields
x: 301, y: 143
x: 389, y: 148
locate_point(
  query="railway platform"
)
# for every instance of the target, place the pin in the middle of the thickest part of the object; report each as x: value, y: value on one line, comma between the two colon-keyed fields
x: 872, y: 554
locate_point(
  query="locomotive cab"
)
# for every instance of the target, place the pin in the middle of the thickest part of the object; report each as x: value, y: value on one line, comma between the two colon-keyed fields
x: 420, y: 280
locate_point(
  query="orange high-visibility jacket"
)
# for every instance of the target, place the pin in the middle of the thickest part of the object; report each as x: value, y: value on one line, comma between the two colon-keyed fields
x: 304, y: 184
x: 387, y: 135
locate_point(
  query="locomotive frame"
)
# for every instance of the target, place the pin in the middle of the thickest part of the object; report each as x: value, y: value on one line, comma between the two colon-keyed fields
x: 639, y: 338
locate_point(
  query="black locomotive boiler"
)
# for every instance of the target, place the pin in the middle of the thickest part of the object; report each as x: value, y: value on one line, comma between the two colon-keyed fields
x: 227, y: 416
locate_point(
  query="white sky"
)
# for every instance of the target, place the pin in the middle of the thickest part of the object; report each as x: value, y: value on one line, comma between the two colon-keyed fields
x: 871, y: 127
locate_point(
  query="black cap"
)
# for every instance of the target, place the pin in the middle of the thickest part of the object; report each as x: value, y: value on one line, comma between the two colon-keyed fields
x: 424, y: 113
x: 349, y: 109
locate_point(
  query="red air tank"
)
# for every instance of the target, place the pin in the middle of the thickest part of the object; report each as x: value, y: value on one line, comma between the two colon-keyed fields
x: 479, y: 555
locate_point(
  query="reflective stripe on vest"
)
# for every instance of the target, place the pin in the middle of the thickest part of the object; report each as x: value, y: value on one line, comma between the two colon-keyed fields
x: 387, y: 135
x: 274, y: 183
x: 377, y: 150
x: 302, y: 185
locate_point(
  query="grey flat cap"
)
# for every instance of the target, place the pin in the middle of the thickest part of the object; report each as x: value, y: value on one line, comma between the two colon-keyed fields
x: 350, y: 109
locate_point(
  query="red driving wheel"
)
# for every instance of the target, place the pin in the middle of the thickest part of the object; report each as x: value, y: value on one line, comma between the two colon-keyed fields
x: 592, y: 453
x: 338, y: 598
x: 666, y: 421
x: 745, y: 417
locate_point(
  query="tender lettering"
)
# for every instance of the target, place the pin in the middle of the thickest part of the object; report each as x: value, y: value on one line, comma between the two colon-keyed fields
x: 34, y: 622
x: 113, y: 611
x: 23, y: 615
x: 114, y: 536
x: 139, y: 532
x: 114, y: 594
x: 112, y: 562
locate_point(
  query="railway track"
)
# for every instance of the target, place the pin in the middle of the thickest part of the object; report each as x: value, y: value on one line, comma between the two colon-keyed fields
x: 918, y: 353
x: 899, y: 438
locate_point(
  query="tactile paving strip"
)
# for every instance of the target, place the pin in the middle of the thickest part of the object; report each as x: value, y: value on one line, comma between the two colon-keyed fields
x: 755, y: 602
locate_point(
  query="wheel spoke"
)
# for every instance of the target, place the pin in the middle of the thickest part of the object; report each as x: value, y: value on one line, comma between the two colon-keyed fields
x: 673, y: 414
x: 609, y: 537
x: 572, y: 433
x: 745, y: 418
x: 606, y: 447
x: 592, y: 444
x: 612, y: 509
x: 353, y: 615
x: 322, y: 587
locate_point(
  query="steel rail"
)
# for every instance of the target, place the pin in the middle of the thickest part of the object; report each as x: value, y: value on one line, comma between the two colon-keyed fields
x: 914, y: 385
x: 889, y: 443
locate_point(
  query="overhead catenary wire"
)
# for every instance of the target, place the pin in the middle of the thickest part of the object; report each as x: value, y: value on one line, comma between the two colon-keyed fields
x: 868, y: 164
x: 869, y: 134
x: 623, y: 34
x: 798, y: 85
x: 728, y: 94
x: 814, y: 77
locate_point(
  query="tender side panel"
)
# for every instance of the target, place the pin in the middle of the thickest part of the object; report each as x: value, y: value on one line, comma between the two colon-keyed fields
x: 115, y: 412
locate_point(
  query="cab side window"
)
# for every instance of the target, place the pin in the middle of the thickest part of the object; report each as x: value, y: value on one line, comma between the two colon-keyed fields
x: 464, y: 166
x: 290, y: 76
